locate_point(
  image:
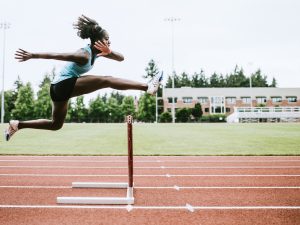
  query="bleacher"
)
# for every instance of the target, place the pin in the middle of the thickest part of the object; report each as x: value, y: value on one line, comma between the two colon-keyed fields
x: 264, y: 114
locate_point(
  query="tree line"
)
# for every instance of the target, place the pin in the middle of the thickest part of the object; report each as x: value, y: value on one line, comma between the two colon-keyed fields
x: 23, y: 104
x: 237, y: 78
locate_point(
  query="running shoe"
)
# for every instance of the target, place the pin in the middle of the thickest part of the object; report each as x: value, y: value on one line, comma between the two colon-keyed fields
x: 12, y: 128
x: 153, y: 85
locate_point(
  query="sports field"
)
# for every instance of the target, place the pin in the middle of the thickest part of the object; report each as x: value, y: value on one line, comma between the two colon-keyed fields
x: 158, y: 139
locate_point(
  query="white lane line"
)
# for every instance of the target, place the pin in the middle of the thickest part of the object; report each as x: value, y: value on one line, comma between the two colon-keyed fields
x: 150, y: 207
x: 176, y: 188
x: 164, y: 187
x: 152, y: 167
x: 148, y: 175
x: 146, y: 161
x: 190, y: 208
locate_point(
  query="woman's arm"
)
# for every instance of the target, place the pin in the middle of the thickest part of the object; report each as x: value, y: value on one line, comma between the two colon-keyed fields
x: 80, y: 57
x: 107, y: 53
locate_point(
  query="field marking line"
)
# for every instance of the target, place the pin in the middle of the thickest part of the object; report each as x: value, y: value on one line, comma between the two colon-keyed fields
x: 151, y: 207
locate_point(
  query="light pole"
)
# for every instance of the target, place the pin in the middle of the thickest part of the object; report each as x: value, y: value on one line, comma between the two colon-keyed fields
x: 4, y: 26
x: 250, y: 65
x: 172, y: 20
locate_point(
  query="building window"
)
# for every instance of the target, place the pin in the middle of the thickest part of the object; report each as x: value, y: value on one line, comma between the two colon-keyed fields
x: 291, y: 98
x: 170, y: 100
x: 261, y: 99
x: 227, y: 110
x: 246, y: 100
x: 230, y: 100
x: 187, y: 99
x: 203, y: 100
x: 276, y: 99
x: 206, y: 110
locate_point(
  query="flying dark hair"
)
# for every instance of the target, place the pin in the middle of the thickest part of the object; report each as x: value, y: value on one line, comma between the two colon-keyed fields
x: 88, y: 28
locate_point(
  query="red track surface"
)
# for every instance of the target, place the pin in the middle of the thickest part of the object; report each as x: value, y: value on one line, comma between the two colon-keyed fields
x: 168, y: 190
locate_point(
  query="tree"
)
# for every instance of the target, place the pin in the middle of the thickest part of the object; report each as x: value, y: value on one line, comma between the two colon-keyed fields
x: 197, y: 111
x: 151, y: 70
x: 43, y: 104
x: 24, y: 105
x: 8, y: 104
x: 128, y: 107
x: 199, y: 80
x: 117, y: 95
x: 97, y: 110
x: 79, y: 112
x: 258, y: 80
x: 183, y: 115
x: 185, y: 80
x: 165, y: 117
x: 114, y: 111
x: 146, y: 110
x: 274, y: 83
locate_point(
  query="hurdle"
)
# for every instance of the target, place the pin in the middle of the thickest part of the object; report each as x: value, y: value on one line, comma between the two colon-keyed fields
x: 128, y: 200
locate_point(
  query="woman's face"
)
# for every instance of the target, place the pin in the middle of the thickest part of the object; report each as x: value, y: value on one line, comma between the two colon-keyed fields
x: 105, y: 38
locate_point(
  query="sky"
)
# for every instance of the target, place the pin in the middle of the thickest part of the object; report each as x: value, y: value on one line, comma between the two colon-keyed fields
x: 213, y: 36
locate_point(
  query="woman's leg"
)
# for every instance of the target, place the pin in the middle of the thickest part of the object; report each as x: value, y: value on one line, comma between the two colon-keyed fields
x: 59, y: 112
x: 90, y: 83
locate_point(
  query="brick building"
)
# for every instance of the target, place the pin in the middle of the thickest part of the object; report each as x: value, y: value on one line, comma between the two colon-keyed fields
x: 224, y: 100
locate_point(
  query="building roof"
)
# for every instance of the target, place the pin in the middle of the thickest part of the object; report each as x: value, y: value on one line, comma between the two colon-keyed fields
x: 231, y: 92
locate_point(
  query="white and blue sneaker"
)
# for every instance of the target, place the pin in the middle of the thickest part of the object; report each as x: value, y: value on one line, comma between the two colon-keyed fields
x: 12, y: 128
x: 153, y: 85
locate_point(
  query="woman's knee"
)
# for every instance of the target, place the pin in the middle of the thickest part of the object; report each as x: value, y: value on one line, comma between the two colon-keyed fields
x: 56, y: 125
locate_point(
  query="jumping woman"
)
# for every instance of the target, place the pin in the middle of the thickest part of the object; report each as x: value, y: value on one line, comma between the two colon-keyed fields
x: 70, y: 83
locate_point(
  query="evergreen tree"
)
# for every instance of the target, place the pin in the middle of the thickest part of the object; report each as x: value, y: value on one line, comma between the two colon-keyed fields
x: 128, y: 107
x: 183, y: 115
x: 97, y: 110
x: 43, y: 104
x: 197, y: 111
x: 79, y: 112
x: 146, y: 110
x: 117, y: 95
x: 165, y: 117
x: 184, y: 80
x: 24, y: 105
x: 115, y: 114
x: 151, y: 70
x: 274, y: 83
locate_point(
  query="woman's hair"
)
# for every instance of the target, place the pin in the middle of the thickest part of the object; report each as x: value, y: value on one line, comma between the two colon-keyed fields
x: 88, y: 28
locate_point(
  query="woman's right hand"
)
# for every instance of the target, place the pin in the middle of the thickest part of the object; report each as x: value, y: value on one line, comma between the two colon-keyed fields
x: 23, y: 55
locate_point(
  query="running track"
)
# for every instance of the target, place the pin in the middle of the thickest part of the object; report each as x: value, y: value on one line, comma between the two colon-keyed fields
x: 201, y: 190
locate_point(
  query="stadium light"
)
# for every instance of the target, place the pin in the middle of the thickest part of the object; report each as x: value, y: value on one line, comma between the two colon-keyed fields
x: 172, y: 20
x: 3, y: 26
x: 250, y: 65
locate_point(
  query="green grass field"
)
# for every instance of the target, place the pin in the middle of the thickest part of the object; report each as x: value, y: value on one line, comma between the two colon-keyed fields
x: 158, y: 139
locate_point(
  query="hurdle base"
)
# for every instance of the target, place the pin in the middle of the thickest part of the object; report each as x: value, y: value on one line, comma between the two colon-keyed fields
x: 128, y: 200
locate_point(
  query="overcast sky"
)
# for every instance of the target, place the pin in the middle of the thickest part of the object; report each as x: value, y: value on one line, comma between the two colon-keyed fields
x: 212, y: 35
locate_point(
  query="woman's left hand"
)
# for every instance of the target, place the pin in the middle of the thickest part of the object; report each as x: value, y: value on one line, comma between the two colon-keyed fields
x: 103, y: 48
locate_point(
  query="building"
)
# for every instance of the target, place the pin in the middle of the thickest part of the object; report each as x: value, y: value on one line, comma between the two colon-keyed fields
x: 227, y: 100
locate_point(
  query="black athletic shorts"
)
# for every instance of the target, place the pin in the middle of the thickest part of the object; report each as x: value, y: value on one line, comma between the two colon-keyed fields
x: 62, y: 90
